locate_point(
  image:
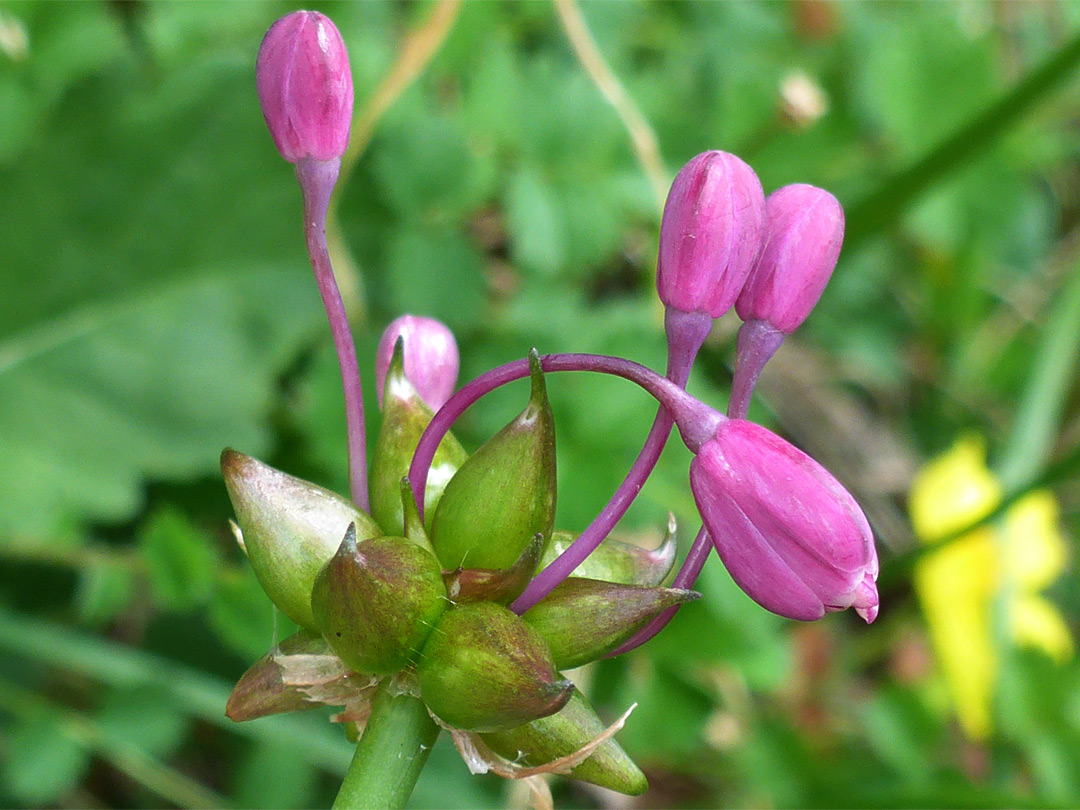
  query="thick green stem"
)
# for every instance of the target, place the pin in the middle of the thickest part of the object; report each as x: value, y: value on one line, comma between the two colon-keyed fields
x: 390, y: 755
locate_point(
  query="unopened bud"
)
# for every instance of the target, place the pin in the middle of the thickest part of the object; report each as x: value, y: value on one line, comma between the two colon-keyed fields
x: 583, y: 620
x: 484, y: 669
x: 561, y: 735
x: 290, y: 529
x: 376, y: 603
x: 504, y: 494
x: 790, y: 535
x: 305, y: 87
x: 710, y: 234
x: 430, y: 358
x: 804, y: 229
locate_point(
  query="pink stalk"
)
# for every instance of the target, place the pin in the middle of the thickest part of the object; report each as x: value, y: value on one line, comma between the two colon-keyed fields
x: 696, y: 421
x: 757, y: 343
x: 686, y: 332
x: 687, y: 576
x: 317, y: 179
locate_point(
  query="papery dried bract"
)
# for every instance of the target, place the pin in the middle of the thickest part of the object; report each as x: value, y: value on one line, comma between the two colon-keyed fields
x: 290, y: 529
x: 305, y: 87
x: 790, y: 535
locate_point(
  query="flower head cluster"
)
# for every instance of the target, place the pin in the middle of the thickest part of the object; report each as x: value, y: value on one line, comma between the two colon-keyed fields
x: 444, y: 578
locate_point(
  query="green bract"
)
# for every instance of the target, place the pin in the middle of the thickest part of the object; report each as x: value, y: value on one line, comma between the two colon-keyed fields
x: 502, y: 585
x: 504, y: 494
x: 376, y: 603
x: 404, y: 418
x: 585, y: 619
x: 563, y: 733
x: 290, y: 529
x: 484, y: 669
x: 616, y: 561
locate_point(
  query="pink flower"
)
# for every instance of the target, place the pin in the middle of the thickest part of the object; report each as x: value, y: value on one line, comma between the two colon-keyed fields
x: 789, y: 534
x: 431, y: 358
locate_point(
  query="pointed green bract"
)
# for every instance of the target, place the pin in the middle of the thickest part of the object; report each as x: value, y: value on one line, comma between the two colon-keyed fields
x: 616, y: 561
x: 562, y: 734
x: 502, y: 585
x: 583, y: 620
x: 290, y: 529
x: 504, y: 494
x: 376, y: 603
x: 404, y: 419
x: 484, y: 669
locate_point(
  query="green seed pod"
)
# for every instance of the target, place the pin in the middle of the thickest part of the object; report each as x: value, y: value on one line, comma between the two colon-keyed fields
x: 484, y: 669
x: 504, y: 494
x: 290, y: 529
x: 561, y: 734
x: 261, y: 692
x: 376, y: 603
x: 583, y: 620
x: 502, y: 585
x: 404, y: 418
x: 615, y: 561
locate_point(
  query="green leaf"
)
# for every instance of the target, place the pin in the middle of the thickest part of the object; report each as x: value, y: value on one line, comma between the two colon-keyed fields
x: 41, y: 761
x: 270, y: 775
x: 180, y: 559
x: 242, y: 615
x: 142, y: 718
x: 154, y: 287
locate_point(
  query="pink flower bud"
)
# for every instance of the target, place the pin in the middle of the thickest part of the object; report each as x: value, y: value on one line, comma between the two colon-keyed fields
x: 710, y: 234
x: 790, y: 535
x: 305, y: 87
x: 431, y: 358
x: 804, y: 228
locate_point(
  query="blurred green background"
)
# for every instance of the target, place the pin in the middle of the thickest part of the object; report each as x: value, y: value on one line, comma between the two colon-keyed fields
x: 156, y: 305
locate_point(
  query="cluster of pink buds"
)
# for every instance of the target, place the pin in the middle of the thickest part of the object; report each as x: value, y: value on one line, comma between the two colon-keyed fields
x: 443, y: 579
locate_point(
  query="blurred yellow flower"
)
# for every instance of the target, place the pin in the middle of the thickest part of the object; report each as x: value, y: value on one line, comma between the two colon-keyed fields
x: 1005, y: 563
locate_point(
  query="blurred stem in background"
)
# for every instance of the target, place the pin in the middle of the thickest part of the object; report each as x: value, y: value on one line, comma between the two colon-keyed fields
x: 415, y: 53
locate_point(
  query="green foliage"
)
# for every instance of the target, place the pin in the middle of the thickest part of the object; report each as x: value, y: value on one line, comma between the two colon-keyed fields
x: 157, y: 306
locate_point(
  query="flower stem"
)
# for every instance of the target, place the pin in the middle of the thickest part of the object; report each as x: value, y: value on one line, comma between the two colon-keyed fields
x: 757, y: 343
x: 688, y: 574
x: 686, y: 332
x: 696, y: 421
x: 390, y: 755
x: 317, y: 179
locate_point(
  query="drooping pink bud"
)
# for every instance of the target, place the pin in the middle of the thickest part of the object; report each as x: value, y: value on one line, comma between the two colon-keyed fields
x: 431, y: 358
x: 804, y: 229
x: 710, y: 234
x: 305, y: 87
x: 790, y: 535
